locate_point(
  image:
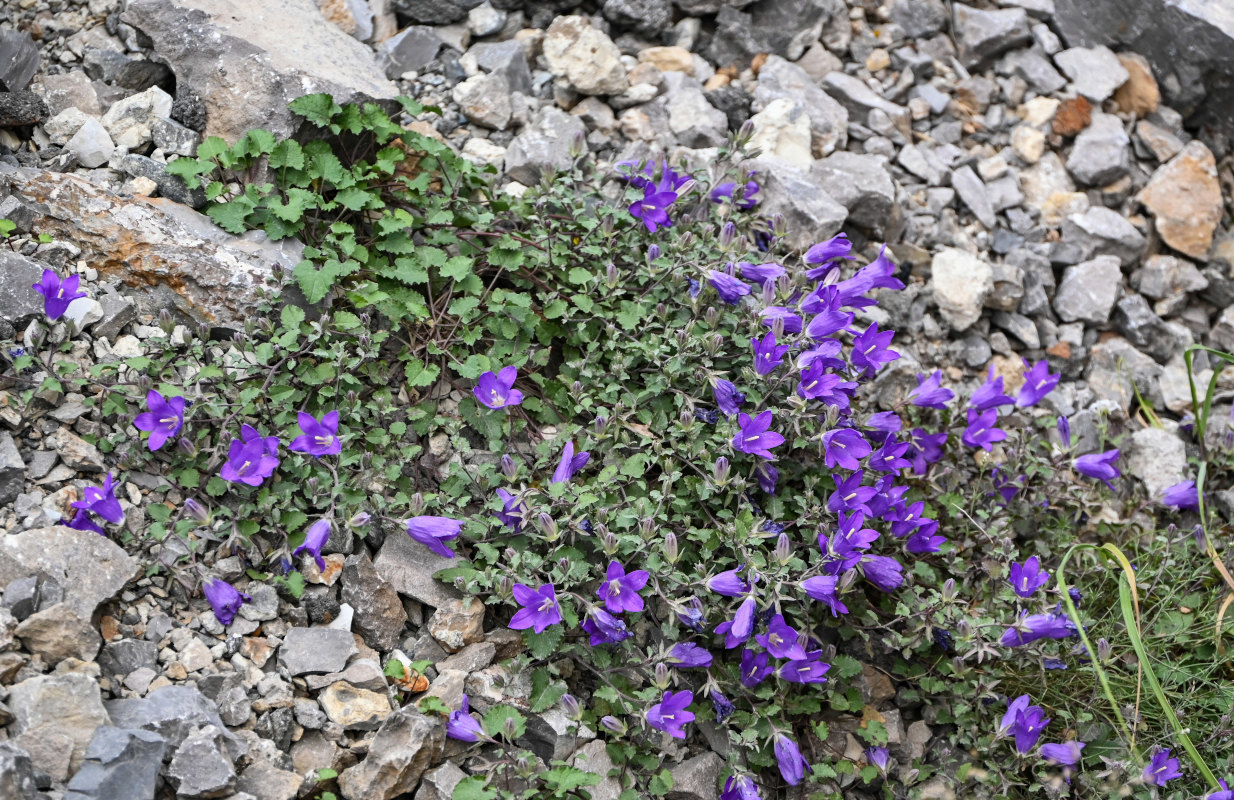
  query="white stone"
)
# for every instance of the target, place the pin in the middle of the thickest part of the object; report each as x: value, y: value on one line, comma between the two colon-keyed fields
x: 961, y: 282
x: 782, y: 130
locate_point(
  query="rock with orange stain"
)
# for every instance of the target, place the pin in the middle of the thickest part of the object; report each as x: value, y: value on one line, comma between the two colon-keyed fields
x: 171, y: 252
x: 1184, y: 197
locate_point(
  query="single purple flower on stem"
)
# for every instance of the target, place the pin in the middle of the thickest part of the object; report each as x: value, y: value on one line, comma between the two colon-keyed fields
x: 725, y: 191
x: 1038, y: 382
x: 1226, y: 792
x: 57, y: 294
x: 1182, y: 496
x: 925, y: 539
x: 102, y: 501
x: 844, y: 448
x: 870, y: 351
x: 754, y: 668
x: 767, y: 476
x: 990, y: 394
x: 1064, y: 431
x: 652, y: 210
x: 826, y: 353
x: 570, y: 463
x: 620, y: 590
x: 740, y: 787
x: 877, y: 757
x: 878, y: 274
x: 82, y: 522
x: 1066, y: 754
x: 890, y: 458
x: 250, y: 459
x: 224, y: 598
x: 1032, y: 627
x: 688, y: 654
x: 781, y: 640
x: 497, y: 390
x: 731, y: 289
x: 433, y: 532
x: 739, y: 629
x: 1099, y: 466
x: 1014, y: 707
x: 767, y: 355
x: 792, y: 765
x: 512, y: 513
x: 981, y: 431
x: 850, y: 495
x: 316, y: 538
x: 823, y: 588
x: 723, y: 707
x: 806, y: 670
x: 604, y: 628
x: 1028, y: 725
x: 883, y: 571
x: 792, y: 322
x: 728, y: 583
x: 1161, y: 768
x: 1028, y: 577
x: 826, y: 254
x: 163, y: 420
x: 819, y: 384
x: 464, y: 727
x: 320, y: 438
x: 754, y: 437
x: 930, y: 393
x: 728, y: 399
x: 925, y: 449
x: 539, y: 608
x: 762, y: 274
x: 670, y: 714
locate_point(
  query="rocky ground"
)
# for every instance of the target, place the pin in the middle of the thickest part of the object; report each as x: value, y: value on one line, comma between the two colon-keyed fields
x: 1050, y: 171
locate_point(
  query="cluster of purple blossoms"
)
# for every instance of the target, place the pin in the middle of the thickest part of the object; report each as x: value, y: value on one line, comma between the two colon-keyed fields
x: 98, y: 502
x: 982, y: 413
x: 1025, y: 723
x: 652, y: 209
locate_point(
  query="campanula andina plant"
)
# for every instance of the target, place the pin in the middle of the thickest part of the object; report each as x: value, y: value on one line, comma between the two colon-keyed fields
x: 698, y: 472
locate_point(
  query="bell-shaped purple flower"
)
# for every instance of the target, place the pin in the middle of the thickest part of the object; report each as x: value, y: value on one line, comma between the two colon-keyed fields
x: 512, y: 513
x: 792, y: 765
x: 671, y: 715
x: 728, y: 399
x: 316, y: 538
x: 990, y: 394
x: 870, y: 350
x: 844, y: 448
x: 462, y: 726
x: 102, y: 501
x: 224, y: 598
x: 792, y: 322
x: 1038, y: 382
x: 1182, y: 496
x: 762, y: 274
x: 825, y: 254
x: 767, y: 354
x: 163, y: 420
x: 781, y: 640
x: 250, y: 459
x: 57, y: 294
x: 739, y: 629
x: 740, y: 787
x: 730, y: 289
x: 1099, y: 466
x: 930, y: 392
x: 318, y: 438
x: 539, y: 608
x: 1161, y: 768
x: 824, y: 588
x: 981, y: 431
x: 570, y: 463
x: 754, y: 437
x: 433, y: 532
x: 883, y: 571
x: 767, y: 476
x: 754, y: 668
x: 496, y: 390
x: 619, y: 591
x: 806, y: 670
x: 1038, y: 626
x: 1066, y: 754
x: 82, y: 522
x: 687, y: 655
x: 604, y: 628
x: 652, y: 210
x: 728, y: 583
x: 1028, y: 577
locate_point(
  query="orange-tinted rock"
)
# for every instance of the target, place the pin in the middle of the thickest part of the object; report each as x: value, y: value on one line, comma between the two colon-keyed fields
x: 1139, y: 95
x: 1185, y: 200
x: 1073, y: 115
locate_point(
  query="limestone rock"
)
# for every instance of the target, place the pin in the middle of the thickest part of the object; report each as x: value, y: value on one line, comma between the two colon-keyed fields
x: 405, y: 746
x: 1185, y: 200
x: 780, y: 79
x: 315, y: 650
x: 90, y: 568
x: 354, y: 709
x: 58, y: 633
x: 51, y: 708
x: 961, y: 282
x: 1089, y: 290
x: 379, y: 614
x: 1094, y: 72
x: 119, y: 763
x: 982, y: 34
x: 782, y: 132
x: 276, y: 51
x: 409, y: 568
x: 173, y: 712
x: 811, y: 214
x: 584, y: 56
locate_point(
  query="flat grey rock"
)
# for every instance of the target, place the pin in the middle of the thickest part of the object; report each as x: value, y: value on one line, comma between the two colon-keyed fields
x: 315, y: 650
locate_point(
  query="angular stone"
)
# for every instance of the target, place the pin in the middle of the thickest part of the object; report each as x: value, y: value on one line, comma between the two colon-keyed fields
x: 584, y: 56
x: 172, y: 712
x: 485, y: 100
x: 90, y: 568
x: 405, y: 746
x: 127, y: 655
x: 1089, y: 290
x: 91, y: 145
x: 1134, y: 319
x: 364, y: 673
x: 982, y: 34
x: 1167, y: 276
x: 354, y: 709
x: 508, y: 59
x: 1140, y: 94
x: 782, y: 132
x: 409, y: 567
x: 1033, y: 66
x: 439, y: 782
x: 17, y: 274
x: 119, y: 763
x: 68, y: 707
x: 58, y: 633
x: 1103, y: 231
x: 69, y: 90
x: 593, y: 757
x: 130, y: 122
x: 1158, y: 458
x: 434, y: 12
x: 17, y: 774
x: 862, y: 184
x: 1184, y: 197
x: 19, y: 60
x: 12, y: 470
x: 168, y: 253
x: 961, y: 282
x: 410, y: 49
x: 1102, y: 152
x: 1116, y: 369
x: 21, y: 108
x: 1094, y: 72
x: 860, y: 100
x: 379, y: 614
x: 697, y: 778
x: 973, y: 192
x: 919, y: 18
x: 544, y: 142
x: 781, y: 79
x: 775, y: 27
x: 202, y: 766
x: 278, y: 50
x: 264, y: 781
x: 811, y: 214
x: 313, y: 650
x: 693, y: 121
x: 118, y: 69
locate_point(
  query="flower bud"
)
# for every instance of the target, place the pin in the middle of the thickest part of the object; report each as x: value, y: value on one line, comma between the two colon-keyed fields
x: 728, y: 232
x: 683, y: 336
x: 964, y: 628
x: 505, y: 586
x: 686, y: 420
x: 715, y: 343
x: 711, y: 315
x: 777, y: 327
x: 607, y: 224
x: 646, y: 527
x: 569, y: 704
x: 510, y: 728
x: 144, y: 383
x: 564, y: 563
x: 958, y: 666
x: 239, y: 337
x: 685, y: 239
x: 685, y: 188
x: 613, y: 725
x: 460, y: 583
x: 846, y: 580
x: 600, y: 424
x: 197, y: 511
x: 608, y: 542
x: 949, y: 590
x: 779, y: 226
x: 720, y: 471
x: 508, y: 468
x: 784, y: 549
x: 670, y: 547
x: 1104, y: 650
x: 166, y: 324
x: 661, y: 310
x: 359, y: 520
x: 744, y: 134
x: 548, y: 526
x: 610, y: 274
x: 661, y: 675
x: 578, y: 144
x: 203, y: 331
x: 352, y: 397
x: 576, y: 388
x: 769, y: 295
x: 653, y: 252
x: 187, y: 447
x: 417, y: 504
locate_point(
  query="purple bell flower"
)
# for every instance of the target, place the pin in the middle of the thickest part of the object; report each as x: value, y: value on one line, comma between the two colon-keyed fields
x: 570, y: 463
x: 767, y: 355
x: 619, y: 591
x: 1066, y: 754
x: 754, y: 668
x: 163, y: 420
x: 930, y: 392
x: 1028, y: 577
x: 824, y: 588
x: 433, y: 532
x: 102, y: 502
x: 512, y: 513
x: 316, y: 538
x: 870, y: 351
x: 539, y: 608
x: 1099, y: 466
x: 604, y: 628
x: 82, y: 522
x: 1038, y: 382
x: 250, y: 459
x: 730, y: 289
x: 652, y: 210
x: 496, y: 390
x: 57, y: 294
x: 1182, y: 496
x: 781, y: 640
x: 754, y: 437
x: 728, y: 583
x: 224, y: 598
x: 689, y: 655
x: 464, y: 727
x: 844, y: 448
x: 788, y: 756
x: 740, y: 787
x: 1161, y: 768
x: 990, y: 394
x: 728, y: 399
x: 981, y: 431
x: 319, y: 438
x: 1038, y: 626
x: 671, y: 715
x: 762, y: 274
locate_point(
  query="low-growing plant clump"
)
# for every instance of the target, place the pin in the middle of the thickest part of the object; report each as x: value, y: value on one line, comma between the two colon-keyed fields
x: 694, y: 469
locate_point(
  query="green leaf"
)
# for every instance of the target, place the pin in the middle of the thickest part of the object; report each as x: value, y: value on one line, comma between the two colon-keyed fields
x: 291, y: 317
x: 457, y: 267
x: 255, y: 143
x: 420, y: 374
x: 473, y: 788
x: 316, y: 283
x: 231, y: 216
x: 318, y: 109
x: 544, y: 691
x: 578, y: 276
x: 189, y: 478
x: 325, y: 774
x: 430, y: 704
x: 211, y: 148
x: 565, y: 779
x: 542, y: 645
x: 287, y: 153
x: 661, y: 783
x: 494, y: 722
x: 355, y: 199
x: 216, y: 486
